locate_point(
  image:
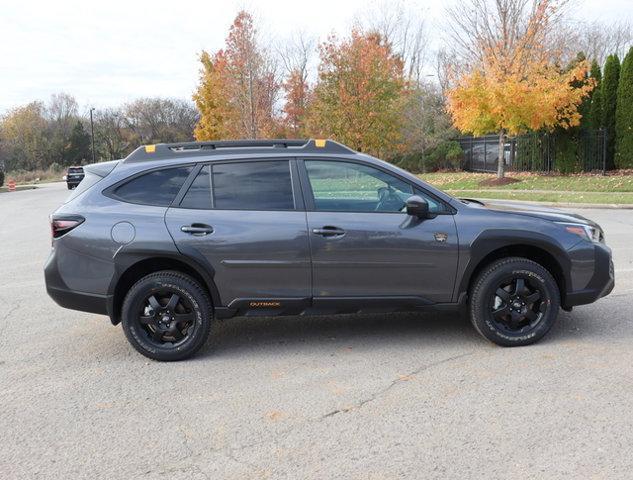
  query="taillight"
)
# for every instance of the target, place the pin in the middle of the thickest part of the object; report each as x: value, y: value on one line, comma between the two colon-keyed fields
x: 62, y: 224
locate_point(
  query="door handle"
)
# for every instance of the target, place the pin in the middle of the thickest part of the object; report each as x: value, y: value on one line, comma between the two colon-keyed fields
x: 329, y: 231
x: 198, y: 229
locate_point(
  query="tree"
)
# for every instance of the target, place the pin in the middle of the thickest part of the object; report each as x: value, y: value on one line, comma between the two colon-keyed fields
x: 403, y: 28
x: 239, y: 86
x: 594, y: 121
x: 112, y: 137
x: 61, y: 114
x: 23, y: 137
x: 595, y: 38
x: 360, y: 93
x: 624, y: 115
x: 511, y: 85
x: 609, y: 95
x: 295, y: 57
x: 155, y: 120
x: 212, y: 99
x: 78, y: 148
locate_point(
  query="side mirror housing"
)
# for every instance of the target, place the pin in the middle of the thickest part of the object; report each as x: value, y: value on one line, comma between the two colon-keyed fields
x: 417, y: 207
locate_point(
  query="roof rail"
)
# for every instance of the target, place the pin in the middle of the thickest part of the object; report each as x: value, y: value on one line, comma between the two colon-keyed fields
x: 164, y: 151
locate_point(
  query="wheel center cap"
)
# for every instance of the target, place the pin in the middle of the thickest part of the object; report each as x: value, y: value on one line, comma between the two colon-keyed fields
x: 165, y: 318
x: 517, y: 304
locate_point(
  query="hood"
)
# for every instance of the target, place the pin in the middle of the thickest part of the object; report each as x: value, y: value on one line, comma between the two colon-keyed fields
x: 536, y: 211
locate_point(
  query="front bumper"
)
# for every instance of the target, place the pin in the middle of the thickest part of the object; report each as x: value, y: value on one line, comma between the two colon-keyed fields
x: 600, y: 284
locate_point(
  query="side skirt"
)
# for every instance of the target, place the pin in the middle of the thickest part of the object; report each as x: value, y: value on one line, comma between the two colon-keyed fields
x: 270, y: 307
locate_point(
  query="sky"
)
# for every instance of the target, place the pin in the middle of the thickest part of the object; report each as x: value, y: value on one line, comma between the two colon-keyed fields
x: 106, y: 53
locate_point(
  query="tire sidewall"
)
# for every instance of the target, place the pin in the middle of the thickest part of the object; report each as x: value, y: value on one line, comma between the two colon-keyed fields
x: 138, y: 337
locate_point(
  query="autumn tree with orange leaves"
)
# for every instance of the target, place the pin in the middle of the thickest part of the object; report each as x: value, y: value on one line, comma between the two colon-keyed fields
x: 239, y: 87
x: 360, y: 93
x: 510, y: 84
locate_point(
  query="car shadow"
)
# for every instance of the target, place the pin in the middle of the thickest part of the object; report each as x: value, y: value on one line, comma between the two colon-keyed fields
x: 270, y: 335
x: 267, y: 335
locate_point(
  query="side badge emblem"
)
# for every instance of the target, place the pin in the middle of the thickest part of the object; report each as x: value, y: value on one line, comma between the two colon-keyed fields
x: 440, y: 237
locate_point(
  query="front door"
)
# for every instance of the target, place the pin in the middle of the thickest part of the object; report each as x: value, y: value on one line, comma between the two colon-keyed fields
x: 363, y: 243
x: 243, y: 218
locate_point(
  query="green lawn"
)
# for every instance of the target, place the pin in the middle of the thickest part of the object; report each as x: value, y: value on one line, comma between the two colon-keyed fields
x: 531, y: 181
x: 554, y: 197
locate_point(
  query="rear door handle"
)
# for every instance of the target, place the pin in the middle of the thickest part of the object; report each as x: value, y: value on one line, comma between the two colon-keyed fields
x: 329, y: 231
x: 198, y: 229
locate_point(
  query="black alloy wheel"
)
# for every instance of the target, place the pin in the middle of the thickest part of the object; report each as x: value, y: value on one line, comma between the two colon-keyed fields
x: 167, y: 315
x: 514, y: 301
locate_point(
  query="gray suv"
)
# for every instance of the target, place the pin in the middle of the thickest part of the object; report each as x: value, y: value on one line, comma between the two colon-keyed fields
x: 177, y: 235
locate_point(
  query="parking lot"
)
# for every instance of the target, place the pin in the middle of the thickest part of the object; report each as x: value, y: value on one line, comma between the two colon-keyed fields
x: 361, y: 397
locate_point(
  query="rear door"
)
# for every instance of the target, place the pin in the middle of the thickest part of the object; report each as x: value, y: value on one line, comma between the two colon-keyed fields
x: 364, y: 245
x: 246, y: 218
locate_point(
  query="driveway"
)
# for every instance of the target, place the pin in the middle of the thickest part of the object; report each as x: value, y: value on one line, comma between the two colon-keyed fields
x: 359, y: 397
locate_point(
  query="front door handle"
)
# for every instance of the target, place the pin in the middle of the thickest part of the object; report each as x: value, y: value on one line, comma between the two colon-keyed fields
x: 329, y: 231
x: 198, y: 229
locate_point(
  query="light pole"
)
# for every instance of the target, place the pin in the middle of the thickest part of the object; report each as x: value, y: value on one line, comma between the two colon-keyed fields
x: 92, y: 135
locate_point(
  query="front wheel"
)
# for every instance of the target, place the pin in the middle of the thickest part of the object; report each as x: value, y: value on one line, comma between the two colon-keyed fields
x: 166, y: 316
x: 514, y: 301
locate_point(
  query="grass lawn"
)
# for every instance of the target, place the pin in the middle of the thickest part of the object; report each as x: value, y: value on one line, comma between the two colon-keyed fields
x: 577, y: 188
x: 554, y: 197
x: 530, y: 181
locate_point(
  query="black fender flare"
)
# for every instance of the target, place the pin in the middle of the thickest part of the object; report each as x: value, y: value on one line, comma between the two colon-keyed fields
x: 128, y: 258
x: 490, y: 241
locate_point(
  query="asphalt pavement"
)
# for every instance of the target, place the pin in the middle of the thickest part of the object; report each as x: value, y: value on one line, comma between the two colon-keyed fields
x: 352, y: 397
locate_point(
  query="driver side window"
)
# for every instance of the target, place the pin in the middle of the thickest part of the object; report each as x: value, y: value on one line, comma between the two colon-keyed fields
x: 352, y: 187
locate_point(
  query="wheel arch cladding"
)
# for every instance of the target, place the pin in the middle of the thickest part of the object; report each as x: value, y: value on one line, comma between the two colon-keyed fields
x: 491, y: 246
x: 134, y: 267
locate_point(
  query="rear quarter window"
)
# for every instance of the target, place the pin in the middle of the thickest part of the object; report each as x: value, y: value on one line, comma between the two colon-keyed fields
x: 158, y: 187
x: 88, y: 181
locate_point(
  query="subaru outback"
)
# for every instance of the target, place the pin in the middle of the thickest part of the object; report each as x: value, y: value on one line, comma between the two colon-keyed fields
x: 176, y: 236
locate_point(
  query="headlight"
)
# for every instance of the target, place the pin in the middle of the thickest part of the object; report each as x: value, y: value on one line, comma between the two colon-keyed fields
x: 587, y: 232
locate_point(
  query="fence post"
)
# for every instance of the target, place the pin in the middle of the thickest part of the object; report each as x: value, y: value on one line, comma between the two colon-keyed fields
x: 472, y: 145
x: 604, y: 151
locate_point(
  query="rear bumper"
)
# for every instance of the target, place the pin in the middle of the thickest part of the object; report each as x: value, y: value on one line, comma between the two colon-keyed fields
x: 84, y: 302
x: 600, y: 284
x: 68, y: 298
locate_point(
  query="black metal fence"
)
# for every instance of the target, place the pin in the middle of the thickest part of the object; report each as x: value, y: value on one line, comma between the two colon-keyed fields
x: 583, y: 151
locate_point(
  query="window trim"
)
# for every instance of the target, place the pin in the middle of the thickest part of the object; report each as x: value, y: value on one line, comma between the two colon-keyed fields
x: 309, y: 194
x: 297, y: 196
x: 110, y: 191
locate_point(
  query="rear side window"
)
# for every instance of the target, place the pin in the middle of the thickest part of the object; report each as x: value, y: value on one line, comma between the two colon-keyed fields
x: 88, y: 181
x: 242, y: 186
x: 158, y: 188
x: 199, y: 193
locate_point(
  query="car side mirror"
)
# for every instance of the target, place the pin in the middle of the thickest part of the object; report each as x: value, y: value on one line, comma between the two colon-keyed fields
x: 417, y: 207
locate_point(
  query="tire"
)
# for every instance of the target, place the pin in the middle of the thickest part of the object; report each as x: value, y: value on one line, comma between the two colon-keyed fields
x: 70, y: 187
x: 514, y: 301
x: 160, y: 327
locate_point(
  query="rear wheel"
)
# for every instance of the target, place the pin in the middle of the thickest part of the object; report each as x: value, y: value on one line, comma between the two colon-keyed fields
x: 166, y: 316
x: 514, y: 301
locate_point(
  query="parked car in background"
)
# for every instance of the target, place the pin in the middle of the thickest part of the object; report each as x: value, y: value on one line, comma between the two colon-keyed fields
x: 74, y: 175
x: 176, y: 236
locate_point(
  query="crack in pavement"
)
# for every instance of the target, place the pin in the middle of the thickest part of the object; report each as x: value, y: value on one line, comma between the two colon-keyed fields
x: 393, y: 384
x: 230, y: 452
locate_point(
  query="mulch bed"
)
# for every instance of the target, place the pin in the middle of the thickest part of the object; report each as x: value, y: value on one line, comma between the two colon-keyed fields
x: 498, y: 182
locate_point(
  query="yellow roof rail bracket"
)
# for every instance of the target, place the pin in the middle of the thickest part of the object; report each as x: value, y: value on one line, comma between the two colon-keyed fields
x: 150, y: 148
x: 320, y: 143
